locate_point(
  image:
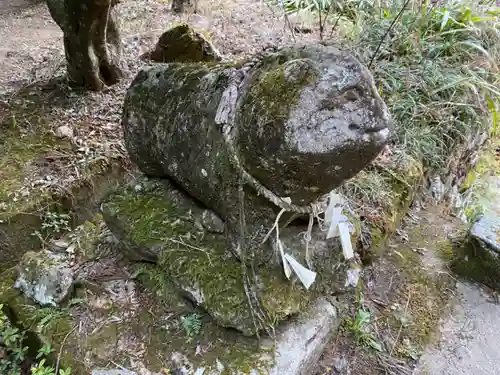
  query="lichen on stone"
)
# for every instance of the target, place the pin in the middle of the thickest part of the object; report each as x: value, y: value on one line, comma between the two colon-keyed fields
x: 198, y: 263
x: 45, y: 277
x: 182, y: 43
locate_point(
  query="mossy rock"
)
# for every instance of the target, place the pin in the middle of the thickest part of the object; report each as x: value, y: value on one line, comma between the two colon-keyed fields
x: 97, y: 330
x: 111, y: 321
x: 182, y: 43
x: 198, y: 263
x: 477, y: 257
x: 475, y: 261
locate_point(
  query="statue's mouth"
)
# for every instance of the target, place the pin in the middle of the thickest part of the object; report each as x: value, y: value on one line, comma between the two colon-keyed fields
x: 378, y: 135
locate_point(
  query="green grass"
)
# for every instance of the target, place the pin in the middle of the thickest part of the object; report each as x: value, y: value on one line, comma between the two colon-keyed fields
x: 436, y: 69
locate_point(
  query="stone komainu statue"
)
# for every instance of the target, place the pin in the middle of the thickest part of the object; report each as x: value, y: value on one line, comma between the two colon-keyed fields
x: 248, y: 140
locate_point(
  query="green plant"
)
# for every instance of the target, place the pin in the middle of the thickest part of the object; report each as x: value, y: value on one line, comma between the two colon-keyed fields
x: 436, y: 69
x: 45, y: 318
x: 15, y: 352
x: 359, y: 328
x: 53, y: 223
x: 192, y: 324
x: 56, y: 222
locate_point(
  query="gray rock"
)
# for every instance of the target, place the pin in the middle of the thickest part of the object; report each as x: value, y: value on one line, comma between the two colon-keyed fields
x: 154, y: 222
x: 212, y: 222
x: 487, y: 229
x: 299, y: 344
x: 45, y: 277
x: 64, y: 131
x: 183, y: 44
x: 296, y: 123
x: 468, y: 337
x: 341, y: 366
x: 479, y: 257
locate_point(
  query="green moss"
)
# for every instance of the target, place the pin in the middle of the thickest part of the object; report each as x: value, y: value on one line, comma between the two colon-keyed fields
x: 198, y: 261
x: 273, y: 95
x: 424, y: 292
x: 85, y: 237
x: 22, y: 146
x: 238, y: 354
x: 7, y: 281
x: 153, y: 217
x: 182, y: 43
x: 477, y: 182
x: 473, y: 261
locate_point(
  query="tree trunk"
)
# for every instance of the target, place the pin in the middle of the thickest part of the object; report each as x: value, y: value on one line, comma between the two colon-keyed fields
x: 92, y: 42
x: 178, y: 6
x: 294, y: 124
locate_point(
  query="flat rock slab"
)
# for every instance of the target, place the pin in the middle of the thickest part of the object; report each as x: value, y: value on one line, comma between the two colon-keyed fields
x: 479, y: 258
x: 300, y: 343
x: 487, y: 229
x: 470, y: 338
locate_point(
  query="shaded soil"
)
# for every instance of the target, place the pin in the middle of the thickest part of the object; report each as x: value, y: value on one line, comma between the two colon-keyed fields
x: 406, y: 291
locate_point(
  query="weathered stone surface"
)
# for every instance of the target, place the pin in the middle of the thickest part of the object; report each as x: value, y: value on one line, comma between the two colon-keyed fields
x: 487, y: 229
x: 110, y: 328
x: 158, y: 223
x: 183, y: 44
x: 110, y: 321
x: 45, y: 277
x: 296, y: 123
x: 92, y: 43
x: 468, y: 336
x: 479, y: 257
x: 299, y: 344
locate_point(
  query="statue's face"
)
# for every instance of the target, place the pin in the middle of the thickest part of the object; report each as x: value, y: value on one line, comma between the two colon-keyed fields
x: 338, y: 125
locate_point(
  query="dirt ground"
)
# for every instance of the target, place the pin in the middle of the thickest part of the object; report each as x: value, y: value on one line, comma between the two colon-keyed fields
x: 31, y: 47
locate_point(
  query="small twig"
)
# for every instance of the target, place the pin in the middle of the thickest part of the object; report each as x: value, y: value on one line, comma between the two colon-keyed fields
x: 119, y: 366
x: 392, y: 366
x: 336, y: 23
x: 62, y: 347
x: 322, y: 23
x: 387, y: 32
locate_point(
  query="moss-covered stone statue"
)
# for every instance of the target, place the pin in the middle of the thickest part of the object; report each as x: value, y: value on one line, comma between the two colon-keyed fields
x: 251, y: 139
x: 231, y: 149
x: 92, y: 42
